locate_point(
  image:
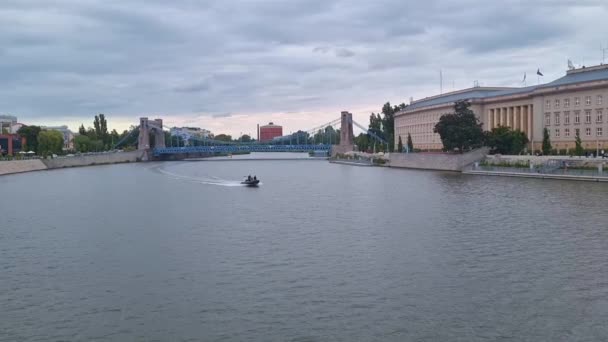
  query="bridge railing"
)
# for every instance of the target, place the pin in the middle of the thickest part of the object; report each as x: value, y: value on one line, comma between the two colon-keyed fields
x: 241, y: 148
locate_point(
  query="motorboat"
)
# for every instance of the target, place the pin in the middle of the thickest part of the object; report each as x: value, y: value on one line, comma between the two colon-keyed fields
x: 251, y: 182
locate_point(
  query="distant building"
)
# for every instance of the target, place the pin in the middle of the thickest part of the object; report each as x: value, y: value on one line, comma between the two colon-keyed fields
x: 6, y: 122
x: 68, y: 136
x: 187, y: 133
x: 270, y: 131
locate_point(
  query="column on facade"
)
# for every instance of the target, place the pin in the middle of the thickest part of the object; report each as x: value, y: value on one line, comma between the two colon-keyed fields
x: 521, y: 119
x: 505, y: 114
x: 515, y: 118
x: 510, y: 116
x: 490, y: 124
x: 529, y: 110
x: 496, y: 122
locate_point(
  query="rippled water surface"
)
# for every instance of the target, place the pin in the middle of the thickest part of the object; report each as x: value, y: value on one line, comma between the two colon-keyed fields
x: 320, y: 252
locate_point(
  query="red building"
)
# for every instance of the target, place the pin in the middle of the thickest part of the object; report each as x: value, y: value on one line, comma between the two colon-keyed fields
x: 270, y: 131
x: 11, y: 144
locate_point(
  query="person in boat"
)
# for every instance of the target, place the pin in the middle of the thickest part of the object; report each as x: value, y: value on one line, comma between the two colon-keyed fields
x: 249, y: 178
x: 254, y: 178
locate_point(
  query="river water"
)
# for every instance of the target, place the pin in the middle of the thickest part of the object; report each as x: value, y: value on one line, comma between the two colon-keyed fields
x: 179, y: 251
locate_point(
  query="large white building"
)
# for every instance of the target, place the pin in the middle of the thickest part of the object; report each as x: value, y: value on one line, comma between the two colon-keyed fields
x: 6, y: 123
x: 187, y: 133
x: 574, y: 103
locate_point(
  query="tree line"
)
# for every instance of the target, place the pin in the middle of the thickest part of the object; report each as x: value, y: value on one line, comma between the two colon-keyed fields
x: 44, y: 142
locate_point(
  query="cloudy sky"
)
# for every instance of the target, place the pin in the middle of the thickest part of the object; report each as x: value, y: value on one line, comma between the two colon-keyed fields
x: 229, y: 64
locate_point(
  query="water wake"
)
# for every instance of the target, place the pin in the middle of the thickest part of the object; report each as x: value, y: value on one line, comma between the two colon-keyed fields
x: 201, y: 180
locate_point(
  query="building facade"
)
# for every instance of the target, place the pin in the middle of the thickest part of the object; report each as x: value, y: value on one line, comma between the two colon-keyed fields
x: 6, y: 123
x: 188, y: 133
x: 270, y: 131
x: 577, y: 102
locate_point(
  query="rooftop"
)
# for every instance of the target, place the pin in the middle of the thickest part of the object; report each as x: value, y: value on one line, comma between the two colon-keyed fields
x: 574, y: 76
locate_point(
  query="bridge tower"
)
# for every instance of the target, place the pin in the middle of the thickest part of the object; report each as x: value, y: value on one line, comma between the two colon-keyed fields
x: 347, y: 138
x: 145, y: 128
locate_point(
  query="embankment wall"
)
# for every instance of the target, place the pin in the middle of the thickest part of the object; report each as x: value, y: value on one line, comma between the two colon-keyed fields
x: 436, y: 161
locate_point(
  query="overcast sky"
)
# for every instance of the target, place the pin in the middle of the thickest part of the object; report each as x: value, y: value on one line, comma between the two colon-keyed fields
x: 227, y: 65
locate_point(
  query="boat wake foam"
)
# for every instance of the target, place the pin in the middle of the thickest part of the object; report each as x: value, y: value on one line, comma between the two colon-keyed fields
x: 207, y: 181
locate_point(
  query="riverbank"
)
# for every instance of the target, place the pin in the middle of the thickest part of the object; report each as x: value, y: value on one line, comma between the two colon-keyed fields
x: 21, y: 166
x: 538, y: 175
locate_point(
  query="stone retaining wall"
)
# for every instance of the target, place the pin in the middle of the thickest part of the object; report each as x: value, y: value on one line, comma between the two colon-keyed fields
x: 436, y: 161
x: 94, y: 159
x: 18, y: 166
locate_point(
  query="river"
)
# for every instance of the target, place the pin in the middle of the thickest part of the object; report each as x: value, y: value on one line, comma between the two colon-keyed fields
x: 179, y: 251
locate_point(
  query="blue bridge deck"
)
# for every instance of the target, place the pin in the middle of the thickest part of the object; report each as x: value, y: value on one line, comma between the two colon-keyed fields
x: 241, y: 148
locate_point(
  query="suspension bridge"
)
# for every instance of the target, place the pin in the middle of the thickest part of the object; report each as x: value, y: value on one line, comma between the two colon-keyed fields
x: 333, y: 137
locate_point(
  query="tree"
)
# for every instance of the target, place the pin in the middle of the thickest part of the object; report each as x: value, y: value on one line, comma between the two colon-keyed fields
x: 410, y: 143
x: 223, y: 137
x: 505, y: 140
x: 546, y: 142
x: 400, y: 145
x: 114, y: 138
x: 97, y: 126
x: 362, y: 142
x: 83, y: 143
x: 50, y: 142
x: 578, y: 149
x: 82, y: 130
x: 30, y: 133
x: 460, y: 130
x: 245, y: 138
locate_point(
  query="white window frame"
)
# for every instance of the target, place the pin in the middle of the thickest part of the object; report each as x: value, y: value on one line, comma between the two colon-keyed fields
x: 577, y: 101
x: 588, y: 100
x: 547, y: 119
x: 557, y: 132
x: 588, y: 131
x: 599, y: 131
x: 566, y: 103
x: 566, y: 132
x: 557, y: 118
x: 588, y: 116
x: 566, y: 118
x: 599, y: 100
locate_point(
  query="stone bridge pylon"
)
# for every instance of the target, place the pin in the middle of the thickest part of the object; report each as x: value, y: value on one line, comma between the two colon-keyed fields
x: 145, y: 128
x: 347, y: 138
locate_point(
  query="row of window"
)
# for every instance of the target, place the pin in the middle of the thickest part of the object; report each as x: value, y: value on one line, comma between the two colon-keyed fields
x: 598, y: 132
x: 599, y: 117
x: 577, y: 101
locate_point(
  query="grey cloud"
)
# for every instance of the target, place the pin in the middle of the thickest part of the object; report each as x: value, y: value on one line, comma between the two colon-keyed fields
x: 344, y: 53
x: 75, y: 58
x: 222, y: 115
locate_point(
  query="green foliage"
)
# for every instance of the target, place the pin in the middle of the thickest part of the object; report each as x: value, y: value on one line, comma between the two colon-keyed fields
x: 460, y: 130
x: 84, y: 144
x: 384, y: 126
x: 363, y: 142
x: 578, y: 149
x: 400, y: 145
x: 50, y: 142
x: 505, y: 140
x: 546, y: 142
x: 30, y: 133
x: 245, y: 138
x: 223, y: 137
x: 410, y: 143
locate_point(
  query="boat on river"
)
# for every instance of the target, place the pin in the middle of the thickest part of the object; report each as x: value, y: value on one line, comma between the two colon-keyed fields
x: 251, y: 181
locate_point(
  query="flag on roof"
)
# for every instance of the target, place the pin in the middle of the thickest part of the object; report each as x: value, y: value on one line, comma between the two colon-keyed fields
x: 539, y: 73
